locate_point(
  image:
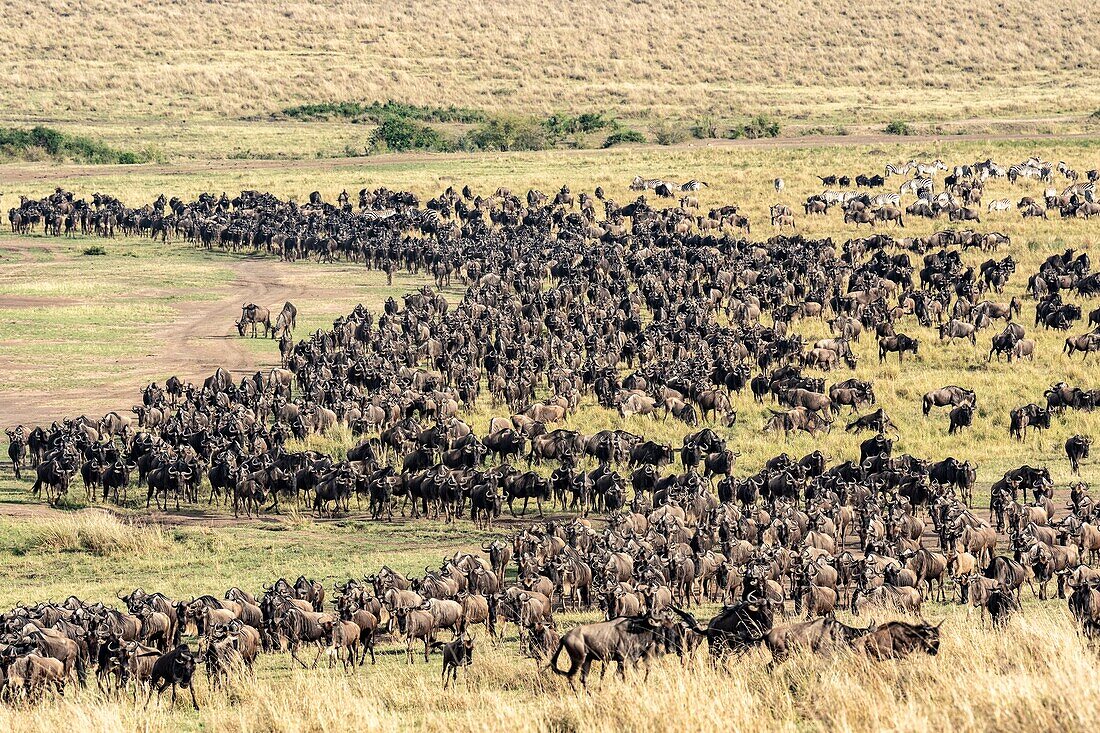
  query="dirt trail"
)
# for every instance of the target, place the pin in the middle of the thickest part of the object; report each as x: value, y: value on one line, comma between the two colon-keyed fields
x: 201, y: 339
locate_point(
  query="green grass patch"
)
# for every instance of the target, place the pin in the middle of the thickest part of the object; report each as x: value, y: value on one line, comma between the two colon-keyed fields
x: 378, y: 112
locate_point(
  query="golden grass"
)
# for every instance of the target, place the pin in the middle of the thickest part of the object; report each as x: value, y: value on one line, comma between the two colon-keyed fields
x: 1036, y: 674
x: 111, y: 60
x: 95, y: 532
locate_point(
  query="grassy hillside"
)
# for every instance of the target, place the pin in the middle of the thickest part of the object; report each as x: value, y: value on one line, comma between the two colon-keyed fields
x: 113, y: 60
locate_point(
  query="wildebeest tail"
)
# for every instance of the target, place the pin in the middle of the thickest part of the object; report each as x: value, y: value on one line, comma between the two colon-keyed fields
x: 691, y: 621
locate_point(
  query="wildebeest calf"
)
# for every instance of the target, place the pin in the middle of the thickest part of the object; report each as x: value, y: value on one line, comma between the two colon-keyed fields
x: 457, y: 653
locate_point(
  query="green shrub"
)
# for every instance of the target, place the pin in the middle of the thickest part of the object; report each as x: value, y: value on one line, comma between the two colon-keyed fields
x: 399, y: 134
x: 705, y: 127
x: 558, y: 126
x: 758, y: 127
x: 94, y: 250
x: 624, y: 135
x: 668, y: 133
x: 507, y: 133
x: 897, y: 127
x: 379, y: 111
x: 41, y: 141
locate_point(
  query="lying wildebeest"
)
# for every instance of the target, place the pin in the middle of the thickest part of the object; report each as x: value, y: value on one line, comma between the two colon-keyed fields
x: 899, y: 639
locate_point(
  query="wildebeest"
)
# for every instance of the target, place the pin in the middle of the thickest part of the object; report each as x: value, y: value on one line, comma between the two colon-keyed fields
x: 1077, y: 450
x: 626, y: 640
x: 177, y: 667
x: 949, y: 395
x: 899, y: 344
x: 456, y: 654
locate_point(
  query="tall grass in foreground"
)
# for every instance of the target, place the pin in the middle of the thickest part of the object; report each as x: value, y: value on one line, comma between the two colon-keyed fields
x: 1036, y: 674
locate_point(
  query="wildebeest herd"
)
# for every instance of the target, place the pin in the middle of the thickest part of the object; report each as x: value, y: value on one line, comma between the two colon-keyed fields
x: 645, y: 311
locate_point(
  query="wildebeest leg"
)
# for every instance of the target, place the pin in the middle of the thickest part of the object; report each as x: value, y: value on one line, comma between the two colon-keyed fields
x: 585, y: 665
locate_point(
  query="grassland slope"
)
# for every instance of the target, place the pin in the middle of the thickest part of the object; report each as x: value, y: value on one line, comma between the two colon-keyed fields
x: 107, y: 59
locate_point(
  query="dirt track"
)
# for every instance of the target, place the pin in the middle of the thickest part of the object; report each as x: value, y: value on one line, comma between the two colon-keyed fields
x: 192, y: 346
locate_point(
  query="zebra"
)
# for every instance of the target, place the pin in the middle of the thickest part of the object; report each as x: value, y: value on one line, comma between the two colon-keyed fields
x: 838, y: 197
x: 650, y: 184
x: 1065, y: 170
x: 917, y: 185
x: 929, y: 169
x: 1085, y: 190
x: 1016, y: 172
x: 886, y: 198
x: 779, y: 184
x: 899, y: 170
x: 999, y: 205
x: 988, y: 169
x: 942, y: 199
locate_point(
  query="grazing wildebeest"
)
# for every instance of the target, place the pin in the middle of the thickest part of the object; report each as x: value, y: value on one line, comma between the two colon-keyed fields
x: 949, y: 395
x: 899, y: 344
x: 252, y: 314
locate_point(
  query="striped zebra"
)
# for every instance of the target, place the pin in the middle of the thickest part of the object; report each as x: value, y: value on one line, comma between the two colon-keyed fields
x: 886, y: 198
x: 694, y: 185
x: 941, y: 199
x: 1086, y: 191
x: 917, y: 185
x: 988, y: 169
x: 838, y: 197
x: 929, y: 169
x: 1024, y: 170
x: 999, y: 205
x: 779, y: 184
x: 1065, y: 170
x: 650, y: 184
x: 899, y: 170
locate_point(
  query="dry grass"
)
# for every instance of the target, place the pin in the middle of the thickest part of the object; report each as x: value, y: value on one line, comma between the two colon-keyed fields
x: 96, y: 532
x: 111, y: 60
x: 1037, y: 674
